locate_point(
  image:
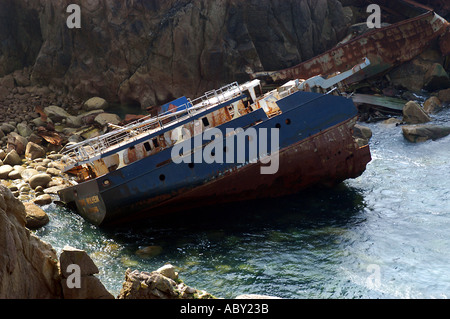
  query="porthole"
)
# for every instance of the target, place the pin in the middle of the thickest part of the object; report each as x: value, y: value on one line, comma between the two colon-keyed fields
x: 278, y: 125
x: 162, y: 177
x: 288, y: 121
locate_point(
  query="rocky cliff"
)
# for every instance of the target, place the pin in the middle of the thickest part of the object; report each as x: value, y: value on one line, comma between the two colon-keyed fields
x: 145, y: 52
x: 28, y: 266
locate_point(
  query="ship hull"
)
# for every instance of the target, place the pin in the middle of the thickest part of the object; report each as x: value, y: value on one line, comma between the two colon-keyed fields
x: 386, y: 48
x: 312, y: 162
x: 316, y: 148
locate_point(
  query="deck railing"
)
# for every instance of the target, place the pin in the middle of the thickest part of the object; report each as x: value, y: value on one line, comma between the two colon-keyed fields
x: 94, y: 147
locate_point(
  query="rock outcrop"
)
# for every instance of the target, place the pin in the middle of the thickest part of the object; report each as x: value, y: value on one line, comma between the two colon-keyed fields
x: 88, y: 286
x: 160, y: 284
x: 432, y: 105
x: 425, y: 72
x: 422, y: 133
x: 413, y: 113
x: 147, y: 52
x: 28, y: 266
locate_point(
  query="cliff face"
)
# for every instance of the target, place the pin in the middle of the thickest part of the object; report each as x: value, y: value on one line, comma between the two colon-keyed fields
x: 146, y: 52
x: 28, y: 266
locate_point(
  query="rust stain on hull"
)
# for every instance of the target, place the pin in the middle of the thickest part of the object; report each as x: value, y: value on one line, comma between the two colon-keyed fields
x: 327, y: 158
x: 444, y: 42
x: 385, y: 48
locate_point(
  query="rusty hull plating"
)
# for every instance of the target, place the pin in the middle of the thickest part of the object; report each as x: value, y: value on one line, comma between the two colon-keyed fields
x: 325, y: 159
x: 385, y: 47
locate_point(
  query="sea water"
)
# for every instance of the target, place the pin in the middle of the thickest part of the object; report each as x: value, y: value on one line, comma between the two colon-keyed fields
x: 382, y: 235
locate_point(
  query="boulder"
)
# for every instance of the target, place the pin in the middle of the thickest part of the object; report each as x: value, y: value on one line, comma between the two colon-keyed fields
x: 361, y: 131
x: 56, y: 113
x: 95, y: 103
x: 432, y: 105
x: 422, y: 133
x: 436, y: 78
x: 105, y: 118
x: 41, y: 179
x: 36, y: 139
x: 36, y: 217
x: 444, y: 95
x: 24, y: 130
x: 53, y: 171
x: 420, y: 73
x: 154, y: 285
x: 7, y: 82
x: 90, y: 286
x: 14, y: 174
x: 28, y: 173
x: 28, y: 266
x: 168, y: 271
x: 7, y: 128
x: 17, y: 142
x: 88, y: 118
x: 39, y: 122
x: 12, y: 158
x: 71, y: 255
x: 42, y: 200
x: 34, y: 151
x: 54, y: 189
x: 74, y: 121
x: 5, y: 170
x: 2, y: 155
x: 414, y: 114
x: 19, y: 168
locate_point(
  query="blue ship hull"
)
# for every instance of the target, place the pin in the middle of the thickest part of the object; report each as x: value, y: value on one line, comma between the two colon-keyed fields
x: 315, y: 147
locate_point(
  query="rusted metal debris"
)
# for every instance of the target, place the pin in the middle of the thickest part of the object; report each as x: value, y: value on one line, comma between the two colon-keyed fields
x: 385, y: 102
x: 50, y: 136
x: 385, y: 47
x: 444, y: 42
x: 38, y: 109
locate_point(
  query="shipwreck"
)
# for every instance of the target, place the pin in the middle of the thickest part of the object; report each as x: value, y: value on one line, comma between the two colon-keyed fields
x: 385, y: 47
x: 133, y: 171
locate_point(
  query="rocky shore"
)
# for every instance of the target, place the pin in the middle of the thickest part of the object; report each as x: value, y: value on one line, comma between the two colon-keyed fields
x: 33, y: 130
x: 35, y: 271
